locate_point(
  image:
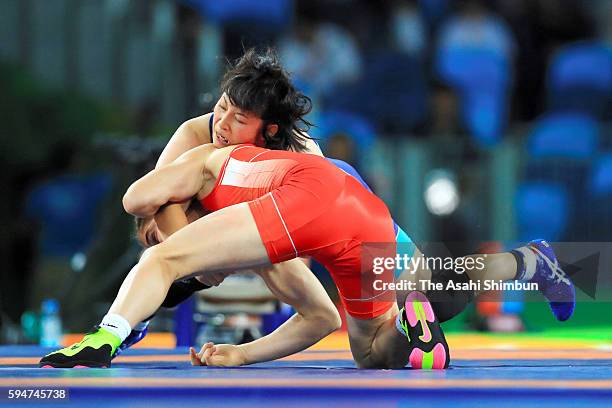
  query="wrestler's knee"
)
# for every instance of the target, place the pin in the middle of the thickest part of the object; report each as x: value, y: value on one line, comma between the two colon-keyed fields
x: 386, y: 362
x: 364, y: 362
x: 396, y: 362
x: 161, y: 260
x: 364, y: 355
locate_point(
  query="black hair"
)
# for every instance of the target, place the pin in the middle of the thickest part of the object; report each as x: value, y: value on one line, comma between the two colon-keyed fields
x: 258, y: 83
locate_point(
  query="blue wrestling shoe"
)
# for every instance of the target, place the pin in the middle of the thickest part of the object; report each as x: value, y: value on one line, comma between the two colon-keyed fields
x: 552, y: 281
x: 134, y: 337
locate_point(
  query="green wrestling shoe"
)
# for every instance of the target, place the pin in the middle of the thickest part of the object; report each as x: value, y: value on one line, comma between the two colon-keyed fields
x: 95, y: 350
x: 428, y: 346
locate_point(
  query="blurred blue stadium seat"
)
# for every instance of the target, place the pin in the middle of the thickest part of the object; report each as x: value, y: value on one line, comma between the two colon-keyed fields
x: 580, y: 78
x: 485, y: 114
x: 601, y: 176
x: 560, y: 149
x: 599, y: 201
x: 276, y: 14
x: 564, y: 135
x: 392, y: 92
x: 66, y: 207
x: 542, y: 211
x: 482, y: 77
x: 473, y: 69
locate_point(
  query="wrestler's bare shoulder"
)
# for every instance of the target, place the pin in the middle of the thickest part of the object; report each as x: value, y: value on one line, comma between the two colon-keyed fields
x: 217, y: 158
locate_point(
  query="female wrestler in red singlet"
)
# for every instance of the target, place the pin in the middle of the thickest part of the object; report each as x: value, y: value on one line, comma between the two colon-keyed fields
x: 303, y: 206
x: 273, y: 206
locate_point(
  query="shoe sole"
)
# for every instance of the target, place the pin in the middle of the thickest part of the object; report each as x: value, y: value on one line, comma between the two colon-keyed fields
x: 79, y: 364
x: 419, y: 311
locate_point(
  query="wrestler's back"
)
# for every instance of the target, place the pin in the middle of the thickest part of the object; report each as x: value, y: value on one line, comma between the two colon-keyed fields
x: 245, y: 172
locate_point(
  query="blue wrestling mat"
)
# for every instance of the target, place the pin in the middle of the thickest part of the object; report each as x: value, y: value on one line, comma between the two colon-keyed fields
x: 503, y: 377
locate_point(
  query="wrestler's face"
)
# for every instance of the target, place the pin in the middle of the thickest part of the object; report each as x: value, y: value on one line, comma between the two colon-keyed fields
x: 149, y: 235
x: 232, y: 125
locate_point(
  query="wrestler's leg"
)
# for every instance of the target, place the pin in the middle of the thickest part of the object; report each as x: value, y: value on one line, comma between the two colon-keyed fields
x: 376, y: 343
x: 420, y: 273
x: 501, y: 266
x: 535, y: 262
x: 397, y: 337
x: 225, y: 240
x: 446, y: 303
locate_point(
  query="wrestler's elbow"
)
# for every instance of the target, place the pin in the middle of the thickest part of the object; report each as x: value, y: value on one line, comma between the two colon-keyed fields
x: 136, y: 204
x: 328, y: 320
x: 334, y: 321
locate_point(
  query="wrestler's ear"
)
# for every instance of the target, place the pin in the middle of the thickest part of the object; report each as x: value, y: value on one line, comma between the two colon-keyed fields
x: 271, y: 130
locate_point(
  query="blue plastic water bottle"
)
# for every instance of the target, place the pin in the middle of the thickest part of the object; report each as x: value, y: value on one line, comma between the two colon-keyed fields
x: 50, y: 324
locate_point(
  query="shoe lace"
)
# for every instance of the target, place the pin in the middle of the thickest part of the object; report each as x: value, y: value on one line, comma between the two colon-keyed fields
x: 556, y: 273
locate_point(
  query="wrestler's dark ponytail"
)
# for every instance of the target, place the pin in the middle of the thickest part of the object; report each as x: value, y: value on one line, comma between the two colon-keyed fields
x: 258, y: 83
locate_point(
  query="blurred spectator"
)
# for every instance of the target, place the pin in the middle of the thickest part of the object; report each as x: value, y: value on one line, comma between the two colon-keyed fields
x: 245, y: 23
x: 475, y: 27
x: 392, y: 93
x: 540, y: 27
x: 445, y: 127
x: 362, y: 18
x: 531, y: 58
x: 408, y: 31
x: 341, y: 146
x: 474, y: 55
x: 320, y: 55
x: 346, y: 136
x: 444, y: 111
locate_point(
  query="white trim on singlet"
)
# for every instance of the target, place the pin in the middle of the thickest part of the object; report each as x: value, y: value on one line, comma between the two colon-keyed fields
x: 222, y: 173
x: 257, y: 155
x: 364, y: 299
x: 240, y: 147
x: 284, y: 225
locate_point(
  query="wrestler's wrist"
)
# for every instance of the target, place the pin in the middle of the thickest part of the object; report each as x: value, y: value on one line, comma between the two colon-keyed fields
x: 244, y: 354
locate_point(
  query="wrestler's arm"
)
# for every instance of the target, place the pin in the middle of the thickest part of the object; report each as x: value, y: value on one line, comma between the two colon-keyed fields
x: 196, y: 132
x: 192, y: 133
x: 176, y: 182
x: 293, y: 283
